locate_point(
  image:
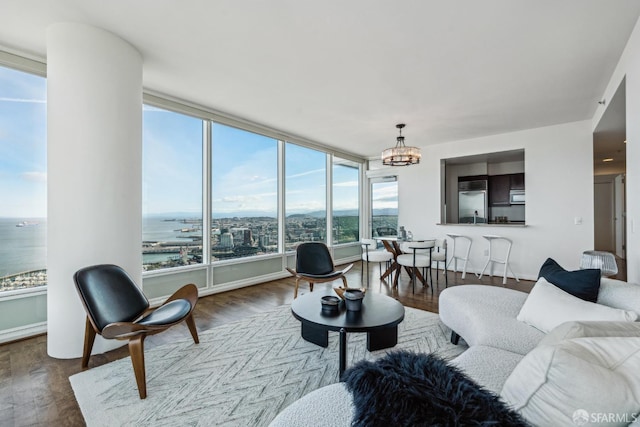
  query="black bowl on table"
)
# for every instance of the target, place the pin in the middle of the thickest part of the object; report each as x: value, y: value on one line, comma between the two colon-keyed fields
x: 330, y: 303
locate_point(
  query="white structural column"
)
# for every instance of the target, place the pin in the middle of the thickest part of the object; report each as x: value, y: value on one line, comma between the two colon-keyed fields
x: 94, y: 161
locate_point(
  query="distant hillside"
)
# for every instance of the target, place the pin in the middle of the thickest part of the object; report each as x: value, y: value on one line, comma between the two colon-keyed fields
x: 347, y: 212
x: 269, y: 215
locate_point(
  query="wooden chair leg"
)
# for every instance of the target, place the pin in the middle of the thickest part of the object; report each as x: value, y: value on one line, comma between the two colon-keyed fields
x: 311, y: 286
x: 295, y: 292
x: 89, y: 338
x: 136, y: 350
x: 344, y: 281
x: 191, y: 324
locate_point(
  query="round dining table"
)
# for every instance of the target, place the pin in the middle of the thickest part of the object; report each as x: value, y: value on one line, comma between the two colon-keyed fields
x: 392, y: 244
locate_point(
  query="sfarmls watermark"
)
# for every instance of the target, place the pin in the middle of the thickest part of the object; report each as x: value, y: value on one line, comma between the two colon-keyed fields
x: 582, y: 417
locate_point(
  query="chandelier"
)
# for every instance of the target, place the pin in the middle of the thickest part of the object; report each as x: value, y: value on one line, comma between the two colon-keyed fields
x: 401, y: 155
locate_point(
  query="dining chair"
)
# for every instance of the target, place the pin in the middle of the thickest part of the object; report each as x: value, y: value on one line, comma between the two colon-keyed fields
x: 439, y: 255
x: 117, y: 309
x: 315, y: 265
x: 370, y: 253
x: 415, y: 256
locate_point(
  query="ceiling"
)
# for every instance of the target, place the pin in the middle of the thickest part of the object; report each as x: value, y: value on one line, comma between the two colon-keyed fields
x: 343, y: 73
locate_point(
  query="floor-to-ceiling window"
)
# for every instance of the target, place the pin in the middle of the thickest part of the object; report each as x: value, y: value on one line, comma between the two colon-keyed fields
x: 172, y: 234
x: 227, y: 204
x: 384, y: 207
x: 23, y: 180
x: 305, y: 195
x: 346, y: 201
x: 244, y: 202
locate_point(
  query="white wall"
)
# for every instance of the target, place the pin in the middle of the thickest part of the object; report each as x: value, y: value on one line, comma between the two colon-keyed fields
x: 629, y: 66
x: 559, y: 177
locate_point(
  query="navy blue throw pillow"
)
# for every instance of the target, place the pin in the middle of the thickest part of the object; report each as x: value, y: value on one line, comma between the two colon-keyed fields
x: 583, y: 284
x: 414, y: 389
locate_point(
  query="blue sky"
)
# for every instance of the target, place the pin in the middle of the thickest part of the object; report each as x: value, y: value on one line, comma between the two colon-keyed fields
x: 384, y: 195
x: 23, y: 157
x: 244, y: 164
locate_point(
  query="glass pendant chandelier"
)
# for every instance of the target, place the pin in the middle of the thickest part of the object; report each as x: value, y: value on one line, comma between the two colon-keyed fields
x: 401, y: 155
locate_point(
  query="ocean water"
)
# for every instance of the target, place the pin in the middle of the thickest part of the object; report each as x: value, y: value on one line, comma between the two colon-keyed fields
x: 25, y: 248
x: 22, y: 248
x: 167, y: 229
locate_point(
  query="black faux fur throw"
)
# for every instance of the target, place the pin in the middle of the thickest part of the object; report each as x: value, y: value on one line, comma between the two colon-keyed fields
x: 410, y: 389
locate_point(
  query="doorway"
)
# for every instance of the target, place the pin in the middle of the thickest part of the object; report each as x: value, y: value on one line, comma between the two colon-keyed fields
x: 609, y: 170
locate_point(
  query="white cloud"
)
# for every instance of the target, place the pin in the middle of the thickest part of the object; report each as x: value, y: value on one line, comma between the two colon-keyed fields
x: 35, y: 176
x: 306, y: 173
x: 346, y: 184
x: 32, y: 101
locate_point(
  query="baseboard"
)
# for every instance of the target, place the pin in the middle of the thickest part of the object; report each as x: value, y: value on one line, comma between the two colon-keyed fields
x: 22, y: 332
x: 229, y: 286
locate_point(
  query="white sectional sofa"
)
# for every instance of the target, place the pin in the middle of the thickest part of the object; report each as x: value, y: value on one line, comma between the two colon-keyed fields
x: 505, y: 355
x: 487, y: 315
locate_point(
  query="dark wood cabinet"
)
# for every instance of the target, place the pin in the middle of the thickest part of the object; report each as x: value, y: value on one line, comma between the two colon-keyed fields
x: 517, y: 181
x: 499, y: 186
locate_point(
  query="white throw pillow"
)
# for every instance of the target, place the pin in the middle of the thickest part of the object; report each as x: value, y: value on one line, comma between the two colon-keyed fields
x: 548, y: 306
x: 594, y: 380
x: 590, y: 329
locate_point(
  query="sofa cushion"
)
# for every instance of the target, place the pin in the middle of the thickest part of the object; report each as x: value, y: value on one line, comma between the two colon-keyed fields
x: 588, y: 377
x: 548, y: 306
x: 583, y: 284
x: 329, y: 406
x: 590, y: 329
x: 488, y: 366
x: 412, y: 389
x: 486, y: 315
x: 619, y: 294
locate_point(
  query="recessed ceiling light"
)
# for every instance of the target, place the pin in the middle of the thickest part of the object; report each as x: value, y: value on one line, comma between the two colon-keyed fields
x: 608, y: 159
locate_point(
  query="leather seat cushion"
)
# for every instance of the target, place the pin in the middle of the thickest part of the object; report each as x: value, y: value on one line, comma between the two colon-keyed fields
x: 171, y: 312
x: 321, y: 276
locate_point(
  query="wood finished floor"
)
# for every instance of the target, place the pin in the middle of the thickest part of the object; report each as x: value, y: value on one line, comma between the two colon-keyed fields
x: 35, y: 389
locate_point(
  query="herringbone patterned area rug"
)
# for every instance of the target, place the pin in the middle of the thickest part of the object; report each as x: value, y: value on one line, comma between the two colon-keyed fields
x: 241, y: 374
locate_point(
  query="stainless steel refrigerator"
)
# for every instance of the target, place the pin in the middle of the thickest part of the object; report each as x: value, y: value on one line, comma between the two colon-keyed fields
x: 472, y: 202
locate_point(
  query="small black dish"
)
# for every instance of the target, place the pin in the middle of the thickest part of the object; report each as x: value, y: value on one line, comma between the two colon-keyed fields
x: 330, y: 303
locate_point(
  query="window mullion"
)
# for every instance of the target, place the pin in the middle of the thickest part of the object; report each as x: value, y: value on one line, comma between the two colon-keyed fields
x: 206, y: 192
